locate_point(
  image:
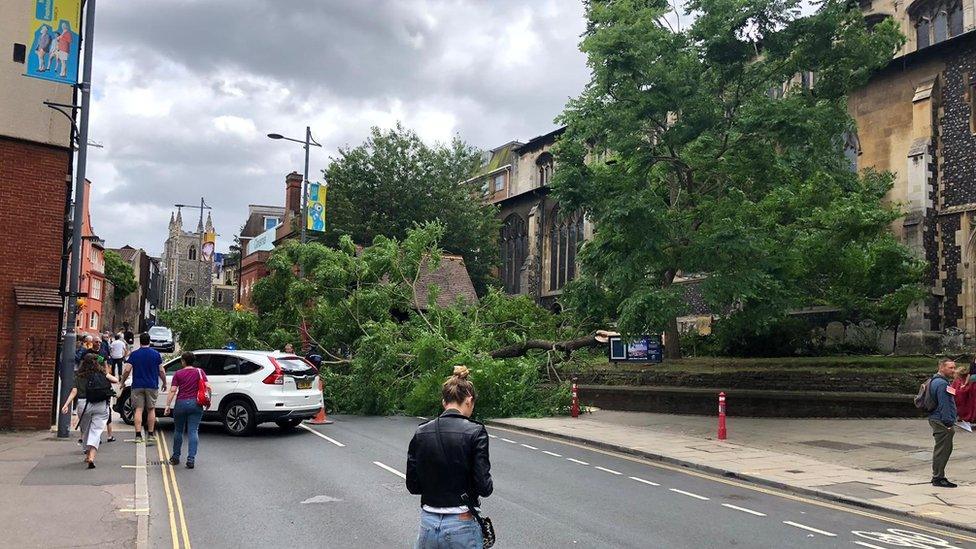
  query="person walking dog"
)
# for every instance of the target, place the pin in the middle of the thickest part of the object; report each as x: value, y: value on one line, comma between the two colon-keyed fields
x: 93, y: 390
x: 448, y: 466
x: 188, y: 411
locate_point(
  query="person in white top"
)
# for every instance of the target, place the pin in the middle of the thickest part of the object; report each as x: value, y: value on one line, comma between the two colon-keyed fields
x: 117, y: 353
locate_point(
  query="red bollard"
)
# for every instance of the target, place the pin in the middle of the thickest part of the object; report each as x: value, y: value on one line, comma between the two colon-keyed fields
x: 722, y: 431
x: 574, y: 411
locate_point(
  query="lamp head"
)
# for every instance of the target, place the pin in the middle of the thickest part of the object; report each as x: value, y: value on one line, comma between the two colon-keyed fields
x: 276, y: 136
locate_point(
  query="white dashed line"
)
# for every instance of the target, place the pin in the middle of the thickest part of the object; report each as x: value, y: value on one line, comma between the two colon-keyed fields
x: 492, y: 436
x: 809, y: 528
x: 422, y: 417
x: 320, y: 435
x: 554, y: 454
x: 863, y: 544
x: 689, y: 494
x: 605, y: 470
x: 390, y: 469
x: 511, y: 441
x: 644, y: 481
x: 529, y: 447
x: 744, y: 510
x: 577, y: 461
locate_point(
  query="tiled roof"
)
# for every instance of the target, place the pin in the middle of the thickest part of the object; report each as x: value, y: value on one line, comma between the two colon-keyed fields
x: 451, y: 277
x: 127, y: 253
x: 28, y: 296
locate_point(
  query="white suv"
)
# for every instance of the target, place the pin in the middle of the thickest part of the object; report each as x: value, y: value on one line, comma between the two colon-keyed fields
x: 249, y: 387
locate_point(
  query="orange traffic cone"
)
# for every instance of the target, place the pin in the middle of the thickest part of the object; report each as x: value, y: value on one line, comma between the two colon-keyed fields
x: 320, y: 418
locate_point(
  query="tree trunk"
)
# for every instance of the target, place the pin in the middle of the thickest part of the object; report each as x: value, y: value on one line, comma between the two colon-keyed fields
x: 519, y: 349
x: 672, y: 347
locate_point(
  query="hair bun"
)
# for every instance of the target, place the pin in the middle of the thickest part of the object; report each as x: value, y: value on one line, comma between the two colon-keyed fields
x: 461, y: 372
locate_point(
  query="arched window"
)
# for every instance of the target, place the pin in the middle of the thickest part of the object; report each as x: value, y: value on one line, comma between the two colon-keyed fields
x: 935, y: 21
x: 513, y: 243
x: 191, y: 254
x: 565, y: 234
x: 189, y: 298
x: 544, y: 168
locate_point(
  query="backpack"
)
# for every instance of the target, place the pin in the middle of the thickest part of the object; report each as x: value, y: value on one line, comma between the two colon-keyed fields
x: 924, y: 400
x: 98, y: 388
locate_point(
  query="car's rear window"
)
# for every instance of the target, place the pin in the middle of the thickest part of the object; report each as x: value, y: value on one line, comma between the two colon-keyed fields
x: 295, y: 367
x: 160, y: 332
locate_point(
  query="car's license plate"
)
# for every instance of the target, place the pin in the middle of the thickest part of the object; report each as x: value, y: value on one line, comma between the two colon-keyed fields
x: 304, y: 383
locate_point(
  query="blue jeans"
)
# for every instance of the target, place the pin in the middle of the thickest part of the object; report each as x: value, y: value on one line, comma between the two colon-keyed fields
x: 187, y: 415
x: 448, y: 532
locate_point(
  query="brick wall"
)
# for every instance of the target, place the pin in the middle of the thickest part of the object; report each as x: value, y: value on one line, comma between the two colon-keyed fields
x: 32, y: 187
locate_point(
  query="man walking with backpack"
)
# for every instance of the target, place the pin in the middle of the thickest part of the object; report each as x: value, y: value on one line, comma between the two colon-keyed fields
x: 146, y: 367
x: 941, y: 405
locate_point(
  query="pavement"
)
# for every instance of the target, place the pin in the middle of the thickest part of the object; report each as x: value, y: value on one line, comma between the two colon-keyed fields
x: 49, y: 499
x: 342, y: 486
x: 882, y: 464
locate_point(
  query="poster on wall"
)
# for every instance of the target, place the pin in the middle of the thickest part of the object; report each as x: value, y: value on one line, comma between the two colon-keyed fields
x: 54, y: 49
x: 641, y: 349
x: 316, y: 207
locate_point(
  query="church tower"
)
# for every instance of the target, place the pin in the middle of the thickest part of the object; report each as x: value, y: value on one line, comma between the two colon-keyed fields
x: 187, y: 279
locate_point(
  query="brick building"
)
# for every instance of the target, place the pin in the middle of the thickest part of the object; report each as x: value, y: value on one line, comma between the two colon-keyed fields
x: 92, y: 277
x: 34, y: 179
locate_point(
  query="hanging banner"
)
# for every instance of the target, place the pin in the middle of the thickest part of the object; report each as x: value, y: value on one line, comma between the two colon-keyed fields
x: 316, y: 207
x: 209, y: 242
x: 54, y: 50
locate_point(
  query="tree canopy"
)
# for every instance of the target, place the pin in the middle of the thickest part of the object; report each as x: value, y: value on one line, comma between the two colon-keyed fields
x: 394, y: 182
x: 120, y: 274
x: 718, y: 150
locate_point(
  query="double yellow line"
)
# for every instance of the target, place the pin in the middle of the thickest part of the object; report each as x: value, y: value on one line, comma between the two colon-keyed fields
x: 172, y: 489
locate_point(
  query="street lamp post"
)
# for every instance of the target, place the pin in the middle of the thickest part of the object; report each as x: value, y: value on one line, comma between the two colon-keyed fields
x: 306, y: 143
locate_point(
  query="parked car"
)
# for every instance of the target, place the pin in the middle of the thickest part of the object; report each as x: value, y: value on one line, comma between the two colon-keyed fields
x: 249, y: 388
x: 161, y: 339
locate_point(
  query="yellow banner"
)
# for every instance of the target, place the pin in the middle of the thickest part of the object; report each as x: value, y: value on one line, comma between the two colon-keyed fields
x: 55, y: 30
x: 316, y: 207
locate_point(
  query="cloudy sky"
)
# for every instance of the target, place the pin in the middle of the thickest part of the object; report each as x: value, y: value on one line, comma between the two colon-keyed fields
x: 185, y: 91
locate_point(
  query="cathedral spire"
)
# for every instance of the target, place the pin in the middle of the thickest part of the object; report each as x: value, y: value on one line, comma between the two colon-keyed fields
x: 210, y: 226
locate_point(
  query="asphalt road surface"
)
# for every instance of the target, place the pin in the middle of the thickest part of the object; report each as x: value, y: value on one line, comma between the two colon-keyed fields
x: 341, y: 486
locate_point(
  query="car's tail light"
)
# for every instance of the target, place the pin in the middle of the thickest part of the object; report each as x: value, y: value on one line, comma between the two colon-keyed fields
x: 275, y: 377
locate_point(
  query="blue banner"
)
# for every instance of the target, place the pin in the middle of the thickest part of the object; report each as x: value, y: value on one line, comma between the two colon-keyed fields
x: 54, y: 53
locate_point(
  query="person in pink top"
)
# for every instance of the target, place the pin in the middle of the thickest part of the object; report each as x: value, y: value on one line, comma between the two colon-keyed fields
x: 64, y: 48
x: 187, y: 413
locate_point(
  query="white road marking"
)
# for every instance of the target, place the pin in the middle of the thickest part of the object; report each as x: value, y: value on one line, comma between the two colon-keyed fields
x: 529, y: 447
x: 577, y: 461
x: 493, y: 436
x: 509, y: 440
x: 320, y: 435
x: 554, y: 454
x: 605, y: 470
x: 743, y: 509
x: 422, y: 417
x: 390, y: 469
x: 809, y: 528
x: 863, y: 544
x: 644, y: 481
x: 689, y: 494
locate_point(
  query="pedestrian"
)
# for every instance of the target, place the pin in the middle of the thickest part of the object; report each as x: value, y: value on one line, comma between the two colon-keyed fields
x: 83, y: 349
x: 104, y: 345
x: 117, y: 353
x: 146, y: 366
x: 942, y: 421
x: 188, y: 412
x: 93, y: 390
x: 108, y: 372
x: 288, y: 348
x: 965, y: 393
x: 448, y: 466
x: 130, y: 338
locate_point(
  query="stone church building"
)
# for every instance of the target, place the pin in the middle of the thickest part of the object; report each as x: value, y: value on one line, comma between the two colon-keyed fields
x: 187, y: 273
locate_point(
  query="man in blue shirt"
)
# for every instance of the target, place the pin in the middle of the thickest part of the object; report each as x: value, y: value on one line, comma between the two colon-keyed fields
x: 146, y: 366
x: 942, y: 420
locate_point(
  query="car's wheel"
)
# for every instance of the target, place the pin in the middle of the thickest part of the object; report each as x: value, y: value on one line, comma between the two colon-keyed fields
x: 126, y: 411
x: 288, y: 424
x: 239, y: 418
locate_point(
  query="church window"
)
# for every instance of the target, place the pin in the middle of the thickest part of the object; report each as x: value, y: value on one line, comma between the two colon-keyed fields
x: 941, y: 26
x: 565, y: 235
x: 935, y: 21
x: 220, y: 297
x: 514, y: 244
x: 191, y: 254
x: 922, y: 33
x: 544, y: 168
x: 955, y: 21
x: 189, y: 298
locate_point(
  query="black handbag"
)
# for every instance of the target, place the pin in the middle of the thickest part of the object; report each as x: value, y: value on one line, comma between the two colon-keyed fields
x: 487, y: 528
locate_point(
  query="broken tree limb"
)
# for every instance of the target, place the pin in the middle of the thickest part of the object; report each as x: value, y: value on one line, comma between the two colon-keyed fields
x: 568, y: 346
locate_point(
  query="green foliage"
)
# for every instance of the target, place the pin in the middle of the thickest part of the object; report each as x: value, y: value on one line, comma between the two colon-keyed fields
x: 394, y: 182
x: 213, y: 328
x: 120, y: 274
x: 710, y: 173
x: 387, y: 352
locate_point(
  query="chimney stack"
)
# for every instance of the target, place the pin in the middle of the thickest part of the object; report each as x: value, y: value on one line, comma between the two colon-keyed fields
x: 293, y: 193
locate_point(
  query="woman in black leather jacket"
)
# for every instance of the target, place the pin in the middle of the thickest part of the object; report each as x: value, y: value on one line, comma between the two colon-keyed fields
x: 448, y: 466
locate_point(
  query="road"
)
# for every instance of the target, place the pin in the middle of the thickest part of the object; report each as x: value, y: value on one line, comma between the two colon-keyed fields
x: 340, y: 486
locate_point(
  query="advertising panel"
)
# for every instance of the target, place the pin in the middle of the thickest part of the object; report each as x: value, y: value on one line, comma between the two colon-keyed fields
x: 641, y: 349
x: 54, y: 50
x: 316, y: 207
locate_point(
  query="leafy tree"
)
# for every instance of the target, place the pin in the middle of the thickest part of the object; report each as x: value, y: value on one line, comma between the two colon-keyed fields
x: 212, y: 328
x: 120, y: 274
x: 706, y: 151
x: 394, y: 181
x: 384, y: 350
